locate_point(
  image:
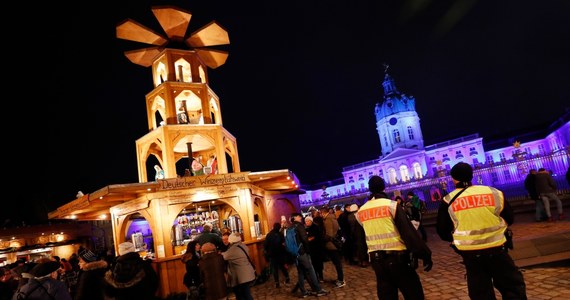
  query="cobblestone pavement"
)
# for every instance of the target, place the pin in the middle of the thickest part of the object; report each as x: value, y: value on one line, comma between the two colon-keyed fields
x: 446, y: 279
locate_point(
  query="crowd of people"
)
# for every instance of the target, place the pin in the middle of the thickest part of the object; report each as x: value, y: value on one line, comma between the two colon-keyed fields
x: 86, y: 274
x: 384, y: 233
x: 218, y: 264
x: 387, y: 234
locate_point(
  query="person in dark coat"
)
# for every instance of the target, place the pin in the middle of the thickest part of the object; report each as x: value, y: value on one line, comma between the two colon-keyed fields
x: 392, y: 242
x: 274, y: 248
x: 548, y: 190
x: 304, y: 264
x: 225, y: 241
x: 212, y: 268
x: 349, y: 246
x: 208, y: 236
x: 475, y: 225
x: 316, y: 242
x: 43, y: 284
x: 358, y: 237
x: 131, y: 277
x: 530, y: 187
x: 90, y: 280
x: 192, y: 279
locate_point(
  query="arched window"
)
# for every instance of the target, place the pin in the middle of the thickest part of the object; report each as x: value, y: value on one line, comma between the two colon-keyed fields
x: 418, y: 174
x: 404, y: 174
x: 410, y: 133
x: 392, y: 177
x: 396, y: 134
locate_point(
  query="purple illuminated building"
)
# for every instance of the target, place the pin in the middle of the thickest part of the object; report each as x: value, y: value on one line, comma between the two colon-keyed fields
x: 407, y: 165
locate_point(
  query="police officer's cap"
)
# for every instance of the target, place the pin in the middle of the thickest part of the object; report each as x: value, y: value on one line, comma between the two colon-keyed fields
x: 462, y: 172
x: 376, y: 184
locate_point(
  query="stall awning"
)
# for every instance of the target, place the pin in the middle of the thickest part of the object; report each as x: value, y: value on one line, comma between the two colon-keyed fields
x: 96, y: 205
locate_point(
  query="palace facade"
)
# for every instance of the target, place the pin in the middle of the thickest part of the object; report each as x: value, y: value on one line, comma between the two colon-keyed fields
x: 406, y: 164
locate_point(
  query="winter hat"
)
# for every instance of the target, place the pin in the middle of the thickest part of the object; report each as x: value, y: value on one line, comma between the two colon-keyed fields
x: 309, y: 218
x: 462, y: 172
x: 354, y: 207
x: 126, y: 247
x: 45, y: 268
x: 87, y: 255
x: 376, y: 184
x: 235, y: 237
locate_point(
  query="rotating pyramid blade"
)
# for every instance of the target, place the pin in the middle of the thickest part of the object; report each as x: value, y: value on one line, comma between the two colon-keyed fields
x: 173, y: 21
x: 143, y: 57
x: 212, y: 34
x: 133, y: 31
x: 212, y: 58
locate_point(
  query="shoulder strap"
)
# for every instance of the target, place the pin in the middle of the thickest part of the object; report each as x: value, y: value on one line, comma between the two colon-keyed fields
x: 245, y: 254
x: 457, y: 195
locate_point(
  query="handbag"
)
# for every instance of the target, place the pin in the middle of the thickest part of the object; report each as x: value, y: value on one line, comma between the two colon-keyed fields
x: 338, y: 240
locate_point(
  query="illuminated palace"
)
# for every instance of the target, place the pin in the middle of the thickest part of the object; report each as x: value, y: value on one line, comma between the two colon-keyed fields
x: 407, y: 165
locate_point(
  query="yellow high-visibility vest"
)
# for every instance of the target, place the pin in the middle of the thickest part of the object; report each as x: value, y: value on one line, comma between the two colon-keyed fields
x: 476, y: 218
x: 377, y: 218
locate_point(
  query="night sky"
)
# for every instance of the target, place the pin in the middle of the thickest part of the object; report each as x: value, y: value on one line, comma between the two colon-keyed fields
x: 298, y: 89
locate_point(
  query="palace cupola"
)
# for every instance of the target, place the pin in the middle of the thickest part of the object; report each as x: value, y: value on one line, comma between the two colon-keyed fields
x: 397, y: 121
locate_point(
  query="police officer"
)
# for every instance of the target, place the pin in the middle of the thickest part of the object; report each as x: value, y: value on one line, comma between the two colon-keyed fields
x: 475, y: 223
x: 392, y: 241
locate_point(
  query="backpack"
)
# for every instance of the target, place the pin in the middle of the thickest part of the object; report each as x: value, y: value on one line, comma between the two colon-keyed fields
x: 291, y: 243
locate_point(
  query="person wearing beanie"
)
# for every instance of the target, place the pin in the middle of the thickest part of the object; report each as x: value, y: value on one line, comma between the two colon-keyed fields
x: 474, y: 219
x: 126, y: 247
x: 316, y: 250
x: 392, y: 242
x: 241, y: 273
x: 376, y: 185
x: 43, y: 283
x: 90, y: 277
x: 131, y: 277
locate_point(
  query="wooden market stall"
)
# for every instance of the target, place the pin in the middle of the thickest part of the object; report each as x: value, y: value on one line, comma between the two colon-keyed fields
x: 197, y: 176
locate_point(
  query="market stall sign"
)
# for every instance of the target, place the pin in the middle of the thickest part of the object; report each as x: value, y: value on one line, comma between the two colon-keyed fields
x: 201, y: 181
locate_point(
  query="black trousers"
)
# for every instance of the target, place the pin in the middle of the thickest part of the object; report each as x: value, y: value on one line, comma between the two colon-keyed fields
x: 493, y: 268
x: 394, y: 271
